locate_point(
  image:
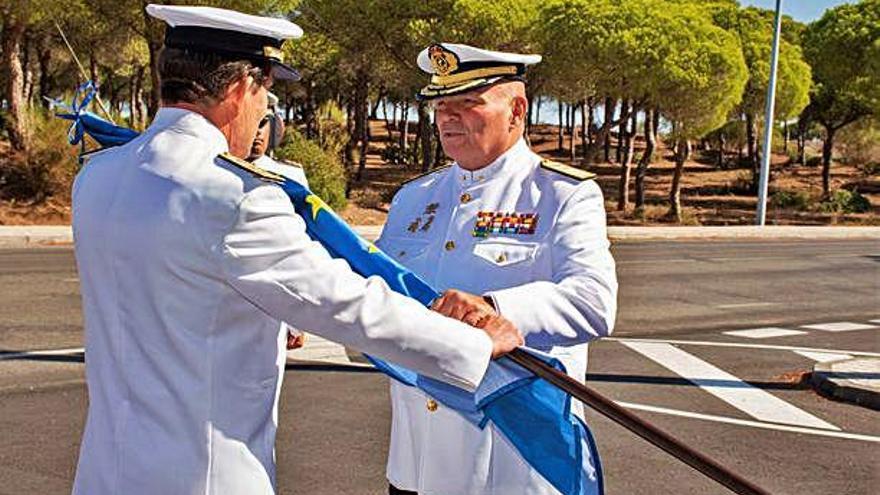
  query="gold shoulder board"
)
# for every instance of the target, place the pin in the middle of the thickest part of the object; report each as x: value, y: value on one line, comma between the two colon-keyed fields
x: 247, y: 166
x: 424, y: 175
x: 291, y: 163
x: 567, y: 170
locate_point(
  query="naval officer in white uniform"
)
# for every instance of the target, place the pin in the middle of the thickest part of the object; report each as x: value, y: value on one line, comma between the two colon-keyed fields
x: 503, y: 231
x: 189, y: 262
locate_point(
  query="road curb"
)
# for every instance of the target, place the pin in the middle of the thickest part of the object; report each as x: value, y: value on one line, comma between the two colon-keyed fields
x: 854, y: 380
x: 55, y: 235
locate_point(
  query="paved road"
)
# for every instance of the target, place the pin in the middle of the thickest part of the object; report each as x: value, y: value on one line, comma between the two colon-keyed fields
x: 736, y: 396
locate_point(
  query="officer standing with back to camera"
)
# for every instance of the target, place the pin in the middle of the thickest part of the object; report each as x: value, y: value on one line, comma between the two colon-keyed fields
x: 188, y: 262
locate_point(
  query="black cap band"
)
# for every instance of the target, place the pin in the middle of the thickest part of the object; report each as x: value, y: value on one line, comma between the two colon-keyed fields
x: 226, y: 42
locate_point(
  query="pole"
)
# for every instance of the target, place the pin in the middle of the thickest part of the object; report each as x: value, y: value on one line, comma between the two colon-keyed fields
x: 768, y: 120
x: 633, y: 423
x: 85, y: 76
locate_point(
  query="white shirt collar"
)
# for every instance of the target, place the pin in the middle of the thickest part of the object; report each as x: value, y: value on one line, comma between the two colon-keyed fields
x: 508, y: 159
x: 189, y: 122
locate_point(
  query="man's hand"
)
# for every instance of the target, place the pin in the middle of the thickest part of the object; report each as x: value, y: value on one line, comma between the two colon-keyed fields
x: 469, y: 308
x: 505, y: 336
x: 295, y: 340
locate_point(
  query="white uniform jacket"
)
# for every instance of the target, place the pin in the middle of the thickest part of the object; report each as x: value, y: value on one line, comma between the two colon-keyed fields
x: 188, y: 265
x: 552, y: 275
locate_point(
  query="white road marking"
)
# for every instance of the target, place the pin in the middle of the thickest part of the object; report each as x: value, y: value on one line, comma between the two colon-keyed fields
x: 746, y: 305
x: 741, y: 345
x: 657, y: 261
x: 841, y: 326
x: 764, y: 333
x: 320, y: 350
x: 751, y: 400
x: 750, y: 423
x: 48, y: 352
x: 876, y: 321
x: 823, y: 357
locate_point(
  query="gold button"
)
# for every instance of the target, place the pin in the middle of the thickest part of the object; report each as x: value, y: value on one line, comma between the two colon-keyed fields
x: 465, y: 197
x: 501, y: 258
x: 450, y: 245
x: 431, y: 405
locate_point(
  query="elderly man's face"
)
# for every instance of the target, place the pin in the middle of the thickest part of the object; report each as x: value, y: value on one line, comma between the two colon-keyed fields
x: 478, y: 126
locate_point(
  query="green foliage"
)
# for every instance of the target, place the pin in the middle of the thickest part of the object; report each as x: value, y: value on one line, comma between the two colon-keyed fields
x: 859, y: 143
x: 646, y: 51
x: 843, y: 201
x: 813, y: 161
x: 795, y: 200
x: 843, y: 48
x: 332, y: 132
x: 47, y: 169
x: 323, y: 168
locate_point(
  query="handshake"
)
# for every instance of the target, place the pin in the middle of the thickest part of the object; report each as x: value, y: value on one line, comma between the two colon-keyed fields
x: 478, y: 312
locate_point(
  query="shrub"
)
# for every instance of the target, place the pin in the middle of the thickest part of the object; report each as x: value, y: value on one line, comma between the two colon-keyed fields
x: 323, y: 168
x: 843, y: 201
x: 799, y: 200
x: 814, y: 161
x: 332, y: 130
x: 47, y: 169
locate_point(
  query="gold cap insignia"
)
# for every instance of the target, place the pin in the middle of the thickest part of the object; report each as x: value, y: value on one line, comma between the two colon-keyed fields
x: 443, y: 61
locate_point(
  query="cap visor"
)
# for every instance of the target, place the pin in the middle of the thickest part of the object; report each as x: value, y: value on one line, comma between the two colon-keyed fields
x: 284, y: 72
x: 431, y: 92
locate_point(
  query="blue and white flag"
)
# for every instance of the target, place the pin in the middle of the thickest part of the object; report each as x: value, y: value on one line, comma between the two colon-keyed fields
x: 532, y: 414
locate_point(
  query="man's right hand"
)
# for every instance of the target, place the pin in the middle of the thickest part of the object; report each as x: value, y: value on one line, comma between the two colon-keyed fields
x: 505, y: 336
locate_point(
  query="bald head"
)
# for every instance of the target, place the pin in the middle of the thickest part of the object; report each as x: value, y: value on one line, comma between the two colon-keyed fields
x: 479, y: 126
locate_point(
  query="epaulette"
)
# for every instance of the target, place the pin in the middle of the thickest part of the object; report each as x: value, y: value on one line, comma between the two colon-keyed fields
x: 290, y: 163
x: 424, y: 175
x: 567, y: 170
x: 247, y: 166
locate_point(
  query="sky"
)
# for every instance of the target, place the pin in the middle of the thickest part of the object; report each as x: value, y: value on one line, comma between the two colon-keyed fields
x: 800, y: 10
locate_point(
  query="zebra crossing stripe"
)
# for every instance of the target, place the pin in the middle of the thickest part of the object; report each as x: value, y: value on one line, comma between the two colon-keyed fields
x: 751, y: 400
x: 823, y: 357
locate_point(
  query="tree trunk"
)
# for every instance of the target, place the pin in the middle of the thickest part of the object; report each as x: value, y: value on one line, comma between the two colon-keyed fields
x: 585, y: 131
x: 721, y: 142
x: 802, y: 141
x: 404, y: 131
x: 572, y: 145
x: 559, y: 131
x: 752, y: 145
x: 626, y: 136
x: 606, y: 127
x: 530, y: 120
x: 621, y: 130
x: 28, y: 66
x: 18, y: 127
x: 438, y: 146
x: 645, y: 161
x: 45, y: 82
x: 827, y: 148
x: 425, y: 134
x: 362, y: 132
x: 684, y: 150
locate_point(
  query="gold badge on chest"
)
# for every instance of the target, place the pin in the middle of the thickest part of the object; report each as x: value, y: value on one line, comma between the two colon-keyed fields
x: 423, y: 222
